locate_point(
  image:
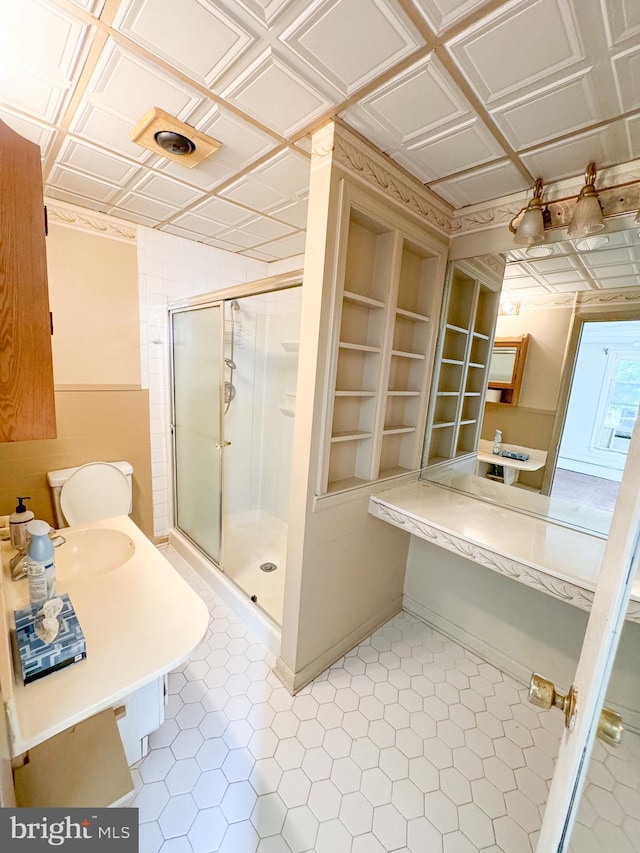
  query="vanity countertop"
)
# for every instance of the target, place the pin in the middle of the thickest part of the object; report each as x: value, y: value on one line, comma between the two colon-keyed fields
x: 140, y: 621
x: 554, y: 559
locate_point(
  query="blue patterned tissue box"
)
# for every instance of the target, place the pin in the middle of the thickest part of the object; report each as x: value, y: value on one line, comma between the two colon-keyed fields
x: 37, y: 658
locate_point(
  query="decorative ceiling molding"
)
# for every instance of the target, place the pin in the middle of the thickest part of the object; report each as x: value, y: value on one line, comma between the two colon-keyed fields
x: 570, y: 593
x: 549, y: 300
x: 573, y: 299
x: 366, y: 163
x: 62, y: 213
x: 559, y: 197
x: 614, y: 296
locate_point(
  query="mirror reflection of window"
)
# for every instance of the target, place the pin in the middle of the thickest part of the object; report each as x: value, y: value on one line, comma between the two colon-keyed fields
x: 621, y: 406
x: 503, y: 361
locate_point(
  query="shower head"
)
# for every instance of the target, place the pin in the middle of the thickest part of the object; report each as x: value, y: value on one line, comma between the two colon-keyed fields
x: 235, y: 305
x: 230, y: 363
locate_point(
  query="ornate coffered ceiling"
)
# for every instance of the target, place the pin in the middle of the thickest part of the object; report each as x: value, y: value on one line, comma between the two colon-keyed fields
x: 475, y: 98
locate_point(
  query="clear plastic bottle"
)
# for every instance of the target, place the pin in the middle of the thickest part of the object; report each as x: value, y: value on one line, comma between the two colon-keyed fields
x: 497, y: 442
x: 40, y: 563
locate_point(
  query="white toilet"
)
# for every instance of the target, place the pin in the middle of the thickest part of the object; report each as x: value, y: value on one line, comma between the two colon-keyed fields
x: 91, y: 492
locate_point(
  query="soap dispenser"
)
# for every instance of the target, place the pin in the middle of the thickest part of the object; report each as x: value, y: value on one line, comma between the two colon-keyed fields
x: 18, y: 521
x: 497, y: 442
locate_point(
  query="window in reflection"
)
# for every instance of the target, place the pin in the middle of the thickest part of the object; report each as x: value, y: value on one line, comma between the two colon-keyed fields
x: 602, y: 410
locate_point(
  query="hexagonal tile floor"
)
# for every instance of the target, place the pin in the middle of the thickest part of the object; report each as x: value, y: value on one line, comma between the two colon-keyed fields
x: 409, y: 743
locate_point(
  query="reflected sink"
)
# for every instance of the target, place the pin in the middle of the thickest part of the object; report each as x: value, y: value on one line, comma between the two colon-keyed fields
x: 92, y: 552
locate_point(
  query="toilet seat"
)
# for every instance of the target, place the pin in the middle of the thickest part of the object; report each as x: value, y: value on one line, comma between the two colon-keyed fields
x: 95, y: 491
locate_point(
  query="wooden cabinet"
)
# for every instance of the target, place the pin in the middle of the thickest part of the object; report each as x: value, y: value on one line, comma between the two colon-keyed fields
x: 507, y: 368
x: 26, y: 373
x: 460, y: 376
x: 386, y: 292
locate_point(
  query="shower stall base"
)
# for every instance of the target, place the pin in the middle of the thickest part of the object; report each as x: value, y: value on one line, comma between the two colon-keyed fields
x: 255, y: 619
x: 250, y: 540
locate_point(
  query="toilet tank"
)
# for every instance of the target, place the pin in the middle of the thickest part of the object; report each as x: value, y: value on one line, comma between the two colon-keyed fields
x: 57, y: 479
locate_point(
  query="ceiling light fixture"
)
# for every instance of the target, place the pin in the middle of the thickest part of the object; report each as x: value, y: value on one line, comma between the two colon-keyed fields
x: 590, y: 243
x: 174, y: 142
x: 508, y: 309
x: 164, y: 134
x: 583, y: 216
x: 587, y: 216
x: 530, y: 229
x: 539, y: 251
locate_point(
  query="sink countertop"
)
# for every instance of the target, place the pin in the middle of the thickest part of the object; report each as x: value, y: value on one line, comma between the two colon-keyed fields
x: 140, y: 621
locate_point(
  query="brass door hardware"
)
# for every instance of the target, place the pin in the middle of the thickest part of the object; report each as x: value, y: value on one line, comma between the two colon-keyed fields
x: 542, y: 693
x: 610, y: 727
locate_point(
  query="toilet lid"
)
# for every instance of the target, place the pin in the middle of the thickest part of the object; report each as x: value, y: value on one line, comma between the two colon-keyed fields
x: 95, y: 491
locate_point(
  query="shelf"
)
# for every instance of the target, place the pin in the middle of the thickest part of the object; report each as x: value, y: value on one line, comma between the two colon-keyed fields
x: 358, y: 347
x: 290, y: 346
x: 396, y: 471
x: 460, y: 372
x: 343, y: 485
x: 350, y: 436
x: 411, y: 315
x: 382, y: 342
x: 350, y: 296
x: 396, y: 430
x: 401, y: 354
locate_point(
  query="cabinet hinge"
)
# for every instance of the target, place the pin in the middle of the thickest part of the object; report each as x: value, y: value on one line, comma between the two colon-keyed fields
x: 51, y: 322
x: 46, y: 222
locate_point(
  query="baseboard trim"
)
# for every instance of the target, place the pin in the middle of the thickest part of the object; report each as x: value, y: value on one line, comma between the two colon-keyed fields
x: 497, y: 657
x: 286, y: 675
x: 295, y: 681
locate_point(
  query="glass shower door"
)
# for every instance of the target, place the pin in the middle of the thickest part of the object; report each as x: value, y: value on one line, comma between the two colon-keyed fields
x: 197, y: 432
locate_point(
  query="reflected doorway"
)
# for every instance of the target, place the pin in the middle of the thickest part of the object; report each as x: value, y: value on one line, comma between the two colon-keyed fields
x: 601, y: 412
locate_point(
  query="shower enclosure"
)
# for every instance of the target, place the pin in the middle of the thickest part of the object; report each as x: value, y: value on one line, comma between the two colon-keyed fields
x: 234, y: 370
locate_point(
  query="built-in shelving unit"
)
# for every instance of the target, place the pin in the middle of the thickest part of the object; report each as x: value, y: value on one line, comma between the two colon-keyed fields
x: 386, y: 291
x: 460, y: 374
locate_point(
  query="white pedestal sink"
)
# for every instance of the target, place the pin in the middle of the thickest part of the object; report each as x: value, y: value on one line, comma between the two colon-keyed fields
x: 90, y: 552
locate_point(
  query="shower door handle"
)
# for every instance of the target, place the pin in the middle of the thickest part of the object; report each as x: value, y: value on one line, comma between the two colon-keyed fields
x: 222, y: 445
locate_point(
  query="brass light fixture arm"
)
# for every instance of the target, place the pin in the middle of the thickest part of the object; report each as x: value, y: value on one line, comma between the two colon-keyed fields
x: 615, y: 201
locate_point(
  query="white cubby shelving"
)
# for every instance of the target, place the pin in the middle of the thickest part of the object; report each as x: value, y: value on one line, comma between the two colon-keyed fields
x: 388, y: 285
x: 462, y: 363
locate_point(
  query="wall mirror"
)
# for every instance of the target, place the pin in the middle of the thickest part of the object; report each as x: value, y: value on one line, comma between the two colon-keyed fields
x: 579, y: 391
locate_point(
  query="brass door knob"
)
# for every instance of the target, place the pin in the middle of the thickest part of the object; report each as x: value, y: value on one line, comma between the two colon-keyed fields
x: 542, y: 693
x: 610, y: 727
